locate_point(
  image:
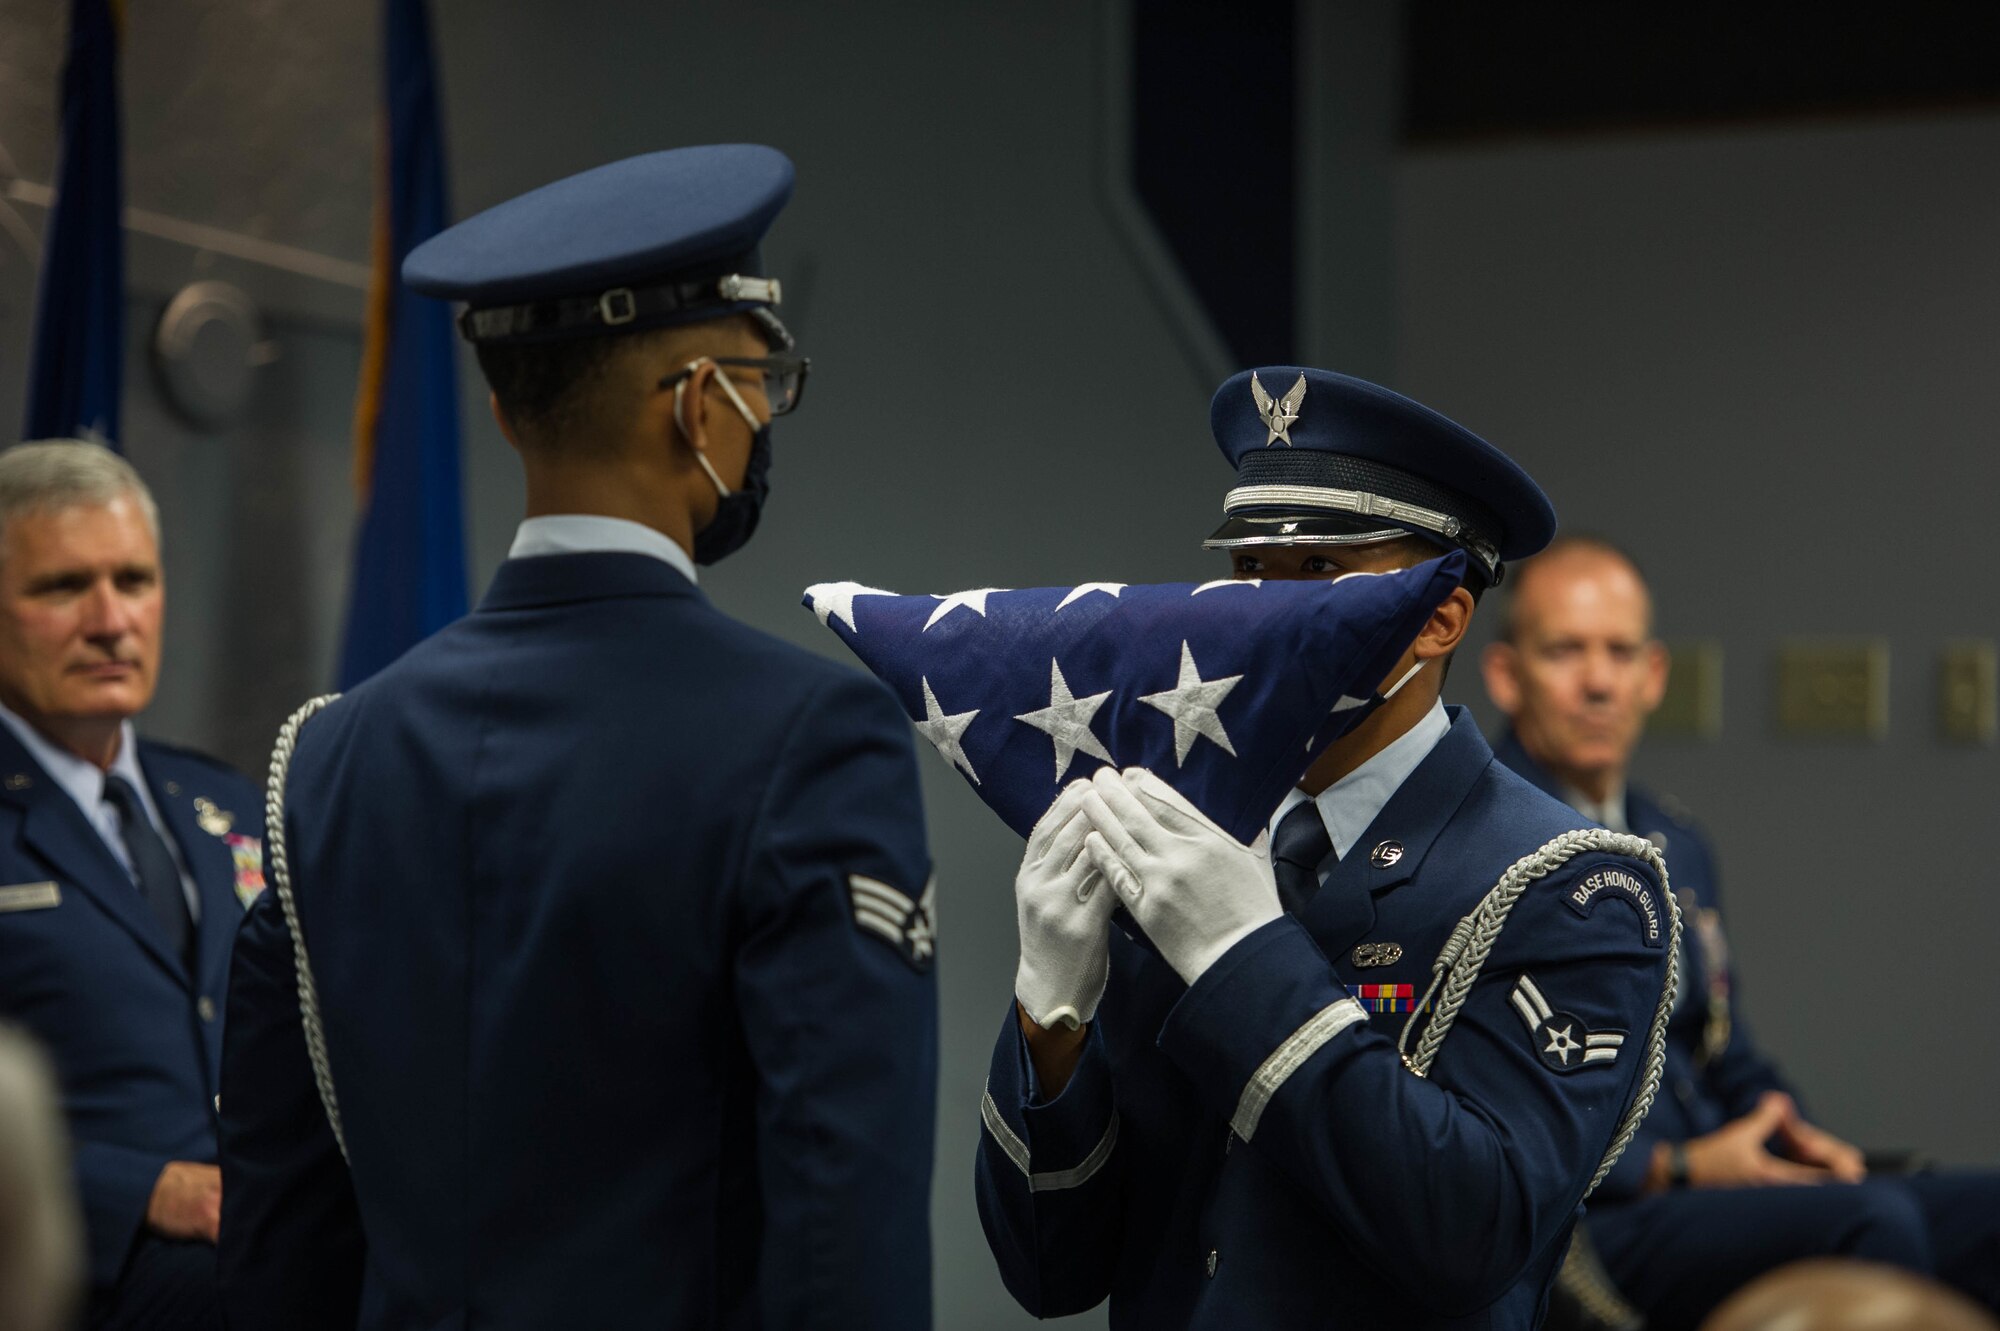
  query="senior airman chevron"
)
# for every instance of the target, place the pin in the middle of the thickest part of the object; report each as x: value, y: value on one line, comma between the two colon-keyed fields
x: 906, y: 925
x: 1226, y: 690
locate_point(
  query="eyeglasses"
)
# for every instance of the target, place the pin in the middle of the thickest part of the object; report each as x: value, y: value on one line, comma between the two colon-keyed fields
x: 784, y: 377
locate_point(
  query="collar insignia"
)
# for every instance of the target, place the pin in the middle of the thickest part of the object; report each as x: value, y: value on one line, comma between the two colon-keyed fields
x: 1279, y: 414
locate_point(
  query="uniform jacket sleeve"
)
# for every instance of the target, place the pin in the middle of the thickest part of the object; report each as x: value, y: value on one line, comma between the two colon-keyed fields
x: 291, y: 1246
x: 838, y: 1001
x: 1047, y: 1177
x: 114, y: 1186
x: 1447, y: 1186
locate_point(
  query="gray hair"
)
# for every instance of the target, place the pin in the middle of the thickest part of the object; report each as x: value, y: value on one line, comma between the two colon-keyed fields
x: 41, y: 1235
x: 51, y: 474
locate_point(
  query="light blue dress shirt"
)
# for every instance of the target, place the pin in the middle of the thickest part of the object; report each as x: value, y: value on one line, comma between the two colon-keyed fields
x: 83, y: 781
x: 591, y: 533
x: 1350, y: 805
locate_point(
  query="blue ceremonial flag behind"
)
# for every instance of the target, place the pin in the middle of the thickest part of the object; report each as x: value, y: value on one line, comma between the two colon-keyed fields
x: 409, y: 558
x: 1227, y: 690
x: 77, y: 365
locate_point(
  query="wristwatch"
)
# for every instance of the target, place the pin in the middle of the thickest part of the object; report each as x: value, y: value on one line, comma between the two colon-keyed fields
x: 1677, y: 1165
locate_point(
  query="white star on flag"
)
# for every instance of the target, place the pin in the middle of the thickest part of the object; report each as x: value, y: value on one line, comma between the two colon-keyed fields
x: 1192, y: 703
x: 1083, y: 589
x: 1066, y: 720
x: 836, y: 600
x: 974, y: 600
x: 947, y: 732
x: 1227, y: 582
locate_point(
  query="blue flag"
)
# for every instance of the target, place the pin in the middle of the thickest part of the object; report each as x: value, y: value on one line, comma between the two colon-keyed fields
x: 1228, y: 690
x: 78, y: 362
x: 409, y: 558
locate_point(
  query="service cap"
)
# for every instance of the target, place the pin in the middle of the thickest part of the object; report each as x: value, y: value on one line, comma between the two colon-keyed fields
x: 663, y: 238
x: 1328, y: 459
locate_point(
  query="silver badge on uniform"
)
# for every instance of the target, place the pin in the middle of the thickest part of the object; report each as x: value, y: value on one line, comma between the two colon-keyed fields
x: 1377, y: 954
x: 1385, y: 854
x: 909, y: 926
x: 1279, y: 414
x: 212, y: 820
x: 1563, y: 1042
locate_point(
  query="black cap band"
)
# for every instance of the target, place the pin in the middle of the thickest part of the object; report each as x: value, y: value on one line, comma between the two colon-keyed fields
x: 618, y: 309
x: 1298, y: 482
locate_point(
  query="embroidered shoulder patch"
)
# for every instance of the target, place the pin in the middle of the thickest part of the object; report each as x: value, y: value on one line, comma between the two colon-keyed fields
x: 1562, y: 1041
x: 1626, y: 886
x: 909, y: 926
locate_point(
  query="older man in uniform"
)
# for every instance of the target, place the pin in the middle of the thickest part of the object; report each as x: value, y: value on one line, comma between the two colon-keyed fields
x: 1719, y: 1186
x: 593, y: 883
x: 1199, y: 1108
x: 125, y: 866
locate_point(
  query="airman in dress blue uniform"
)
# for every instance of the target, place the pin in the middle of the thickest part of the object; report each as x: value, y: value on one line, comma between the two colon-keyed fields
x: 617, y: 911
x: 1718, y: 1187
x: 125, y: 866
x: 1234, y: 1137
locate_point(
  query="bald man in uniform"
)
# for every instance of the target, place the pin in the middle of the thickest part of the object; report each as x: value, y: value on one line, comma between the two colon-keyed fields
x: 1728, y: 1177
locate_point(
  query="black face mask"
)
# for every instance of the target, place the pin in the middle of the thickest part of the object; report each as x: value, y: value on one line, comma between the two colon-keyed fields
x: 736, y: 513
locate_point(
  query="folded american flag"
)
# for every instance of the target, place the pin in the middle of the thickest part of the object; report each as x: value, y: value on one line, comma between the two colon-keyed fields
x: 1227, y: 690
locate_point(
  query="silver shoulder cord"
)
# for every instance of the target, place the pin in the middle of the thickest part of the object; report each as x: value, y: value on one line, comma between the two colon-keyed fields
x: 281, y: 880
x: 1464, y: 955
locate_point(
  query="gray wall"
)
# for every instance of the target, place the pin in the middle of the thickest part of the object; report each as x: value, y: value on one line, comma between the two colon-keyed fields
x: 1001, y: 396
x: 1764, y: 359
x: 252, y: 118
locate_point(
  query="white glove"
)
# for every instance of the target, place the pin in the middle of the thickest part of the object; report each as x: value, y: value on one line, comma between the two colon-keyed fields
x: 1064, y: 912
x: 1193, y: 888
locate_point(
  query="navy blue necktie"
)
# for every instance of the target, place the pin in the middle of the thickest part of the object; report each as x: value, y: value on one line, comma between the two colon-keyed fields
x: 1298, y: 847
x: 159, y: 879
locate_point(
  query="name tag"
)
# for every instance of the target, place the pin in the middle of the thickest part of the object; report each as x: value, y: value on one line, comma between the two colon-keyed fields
x: 29, y: 896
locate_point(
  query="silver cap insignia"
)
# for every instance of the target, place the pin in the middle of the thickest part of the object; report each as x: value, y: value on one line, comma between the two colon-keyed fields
x: 1278, y: 414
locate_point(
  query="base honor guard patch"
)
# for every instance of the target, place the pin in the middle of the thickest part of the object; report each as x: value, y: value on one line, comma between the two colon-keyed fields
x: 1560, y: 1040
x: 909, y: 926
x: 248, y: 854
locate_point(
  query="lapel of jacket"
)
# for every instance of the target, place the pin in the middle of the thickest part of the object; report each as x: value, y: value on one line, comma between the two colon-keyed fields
x: 57, y: 831
x: 1390, y: 852
x: 208, y: 860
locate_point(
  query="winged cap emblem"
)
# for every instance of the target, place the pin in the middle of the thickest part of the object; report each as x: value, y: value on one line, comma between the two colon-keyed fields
x: 1278, y: 414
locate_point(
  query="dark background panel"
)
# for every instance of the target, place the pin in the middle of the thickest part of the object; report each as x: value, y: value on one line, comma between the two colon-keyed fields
x: 1481, y: 69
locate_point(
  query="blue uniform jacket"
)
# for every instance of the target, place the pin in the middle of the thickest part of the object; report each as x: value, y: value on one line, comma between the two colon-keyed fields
x: 85, y: 966
x: 1714, y: 1071
x: 592, y: 881
x: 1366, y: 1196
